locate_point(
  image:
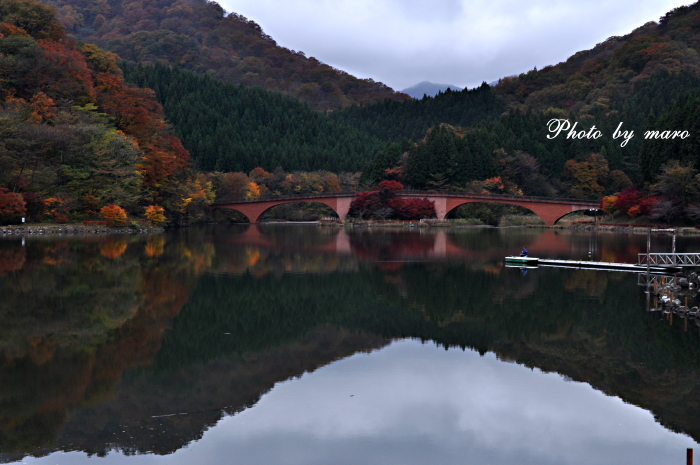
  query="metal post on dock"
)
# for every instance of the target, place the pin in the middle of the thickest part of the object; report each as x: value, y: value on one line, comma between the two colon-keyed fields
x: 673, y: 247
x: 648, y: 249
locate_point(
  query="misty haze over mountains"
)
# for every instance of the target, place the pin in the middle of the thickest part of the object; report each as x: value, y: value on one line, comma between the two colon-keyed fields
x: 428, y: 88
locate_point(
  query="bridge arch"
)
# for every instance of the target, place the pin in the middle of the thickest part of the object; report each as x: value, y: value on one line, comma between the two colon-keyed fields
x: 574, y: 211
x: 328, y: 203
x: 254, y: 210
x: 486, y: 202
x: 549, y: 212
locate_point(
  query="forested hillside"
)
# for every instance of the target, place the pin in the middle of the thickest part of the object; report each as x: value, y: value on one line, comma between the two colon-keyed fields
x: 199, y: 35
x: 393, y: 121
x: 527, y: 131
x: 598, y: 80
x: 73, y: 136
x: 229, y: 127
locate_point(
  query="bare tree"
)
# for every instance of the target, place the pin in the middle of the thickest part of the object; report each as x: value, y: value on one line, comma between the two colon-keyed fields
x: 693, y: 212
x: 383, y: 213
x: 666, y: 210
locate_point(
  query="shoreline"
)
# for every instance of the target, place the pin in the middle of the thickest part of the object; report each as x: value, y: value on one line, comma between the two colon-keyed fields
x: 621, y: 228
x: 67, y: 229
x: 16, y: 231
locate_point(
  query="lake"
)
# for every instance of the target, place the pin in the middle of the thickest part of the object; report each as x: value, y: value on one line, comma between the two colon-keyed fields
x: 302, y: 344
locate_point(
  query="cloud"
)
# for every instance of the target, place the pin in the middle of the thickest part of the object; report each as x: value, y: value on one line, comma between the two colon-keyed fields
x: 460, y: 42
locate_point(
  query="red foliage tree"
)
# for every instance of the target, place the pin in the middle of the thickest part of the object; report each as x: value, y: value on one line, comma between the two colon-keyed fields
x: 393, y: 186
x: 629, y: 198
x: 383, y: 204
x: 647, y: 205
x: 413, y: 209
x: 12, y: 206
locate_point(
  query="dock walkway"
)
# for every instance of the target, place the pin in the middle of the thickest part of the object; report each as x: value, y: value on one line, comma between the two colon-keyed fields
x: 608, y: 266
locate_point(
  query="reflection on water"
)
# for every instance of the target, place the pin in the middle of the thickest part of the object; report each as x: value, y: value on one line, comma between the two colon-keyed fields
x: 141, y: 344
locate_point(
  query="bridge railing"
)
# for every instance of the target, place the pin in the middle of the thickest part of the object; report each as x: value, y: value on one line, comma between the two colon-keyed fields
x: 452, y: 193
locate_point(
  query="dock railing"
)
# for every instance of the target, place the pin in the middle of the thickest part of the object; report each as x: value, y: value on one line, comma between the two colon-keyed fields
x: 669, y: 259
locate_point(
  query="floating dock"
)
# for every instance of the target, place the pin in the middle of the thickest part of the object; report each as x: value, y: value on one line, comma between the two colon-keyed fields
x: 608, y: 266
x: 525, y: 261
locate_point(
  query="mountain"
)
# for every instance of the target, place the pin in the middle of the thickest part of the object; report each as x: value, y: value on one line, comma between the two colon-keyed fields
x: 428, y: 88
x: 200, y: 36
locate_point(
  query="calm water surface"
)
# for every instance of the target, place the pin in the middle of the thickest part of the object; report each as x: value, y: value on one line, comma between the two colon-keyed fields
x: 307, y: 345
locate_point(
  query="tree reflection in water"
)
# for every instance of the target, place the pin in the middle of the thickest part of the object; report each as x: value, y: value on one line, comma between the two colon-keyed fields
x: 103, y: 336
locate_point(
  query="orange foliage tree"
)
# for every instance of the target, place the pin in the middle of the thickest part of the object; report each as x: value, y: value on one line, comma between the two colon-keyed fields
x: 113, y: 213
x: 41, y: 106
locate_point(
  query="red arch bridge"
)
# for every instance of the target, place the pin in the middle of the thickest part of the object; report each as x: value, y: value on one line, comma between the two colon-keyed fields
x: 549, y: 210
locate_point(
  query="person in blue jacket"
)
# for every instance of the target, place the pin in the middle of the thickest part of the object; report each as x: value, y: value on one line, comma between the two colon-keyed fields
x: 524, y: 252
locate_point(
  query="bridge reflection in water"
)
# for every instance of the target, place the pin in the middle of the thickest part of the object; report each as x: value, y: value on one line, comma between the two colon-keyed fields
x: 423, y: 244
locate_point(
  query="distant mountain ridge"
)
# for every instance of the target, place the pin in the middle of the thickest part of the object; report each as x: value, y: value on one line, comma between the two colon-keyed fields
x: 428, y: 88
x: 200, y: 36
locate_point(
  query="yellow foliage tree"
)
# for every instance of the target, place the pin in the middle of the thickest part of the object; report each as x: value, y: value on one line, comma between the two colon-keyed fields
x: 155, y: 214
x: 608, y: 203
x: 253, y: 191
x: 584, y: 179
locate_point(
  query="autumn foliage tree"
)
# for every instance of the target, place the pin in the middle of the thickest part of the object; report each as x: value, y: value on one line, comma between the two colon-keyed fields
x: 253, y: 191
x: 384, y: 204
x: 607, y: 203
x: 41, y: 106
x: 155, y: 214
x: 113, y: 213
x: 12, y: 206
x: 634, y: 202
x: 393, y: 186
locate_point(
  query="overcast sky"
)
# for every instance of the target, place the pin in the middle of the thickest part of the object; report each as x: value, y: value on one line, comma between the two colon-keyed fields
x: 459, y: 42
